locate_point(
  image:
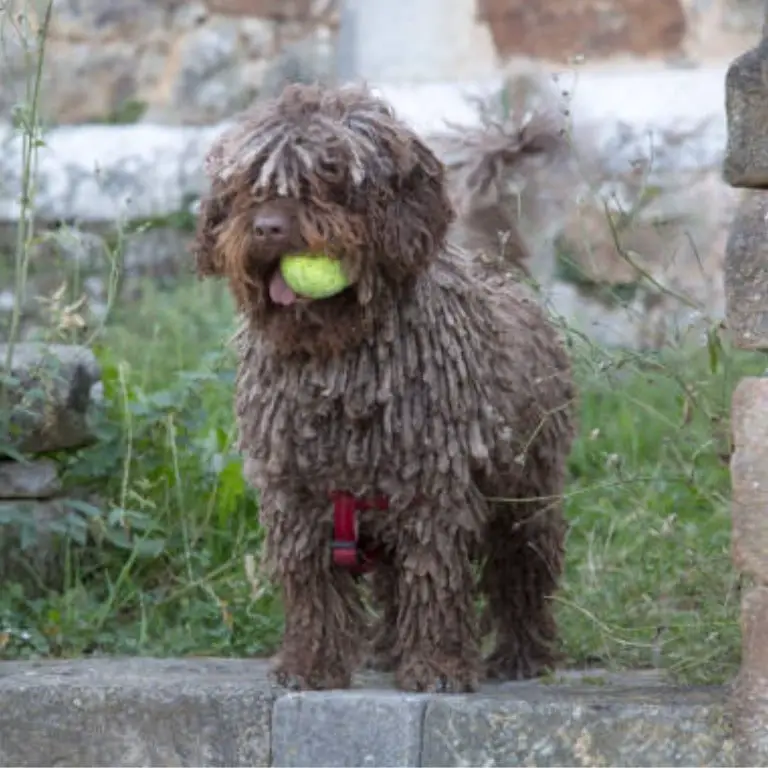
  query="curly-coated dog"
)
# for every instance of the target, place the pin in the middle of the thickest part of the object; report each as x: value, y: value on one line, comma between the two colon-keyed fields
x: 418, y: 422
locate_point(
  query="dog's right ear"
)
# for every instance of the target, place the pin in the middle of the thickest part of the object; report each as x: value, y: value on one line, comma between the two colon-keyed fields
x: 211, y: 215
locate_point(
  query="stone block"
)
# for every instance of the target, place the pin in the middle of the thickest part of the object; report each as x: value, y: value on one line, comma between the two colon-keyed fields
x: 749, y: 477
x: 33, y: 538
x: 135, y: 712
x: 347, y: 728
x: 49, y: 395
x: 38, y: 479
x: 571, y: 726
x: 746, y: 106
x: 557, y: 31
x: 750, y: 696
x: 746, y: 273
x: 279, y: 10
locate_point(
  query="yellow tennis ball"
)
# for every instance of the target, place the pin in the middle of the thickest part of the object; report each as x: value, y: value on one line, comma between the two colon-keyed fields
x: 315, y: 276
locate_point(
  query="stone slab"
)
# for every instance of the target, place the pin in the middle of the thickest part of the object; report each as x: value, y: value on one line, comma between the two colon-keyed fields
x: 746, y: 104
x: 749, y: 478
x: 347, y: 728
x: 107, y: 173
x: 211, y: 712
x: 746, y: 272
x: 135, y: 712
x: 594, y: 726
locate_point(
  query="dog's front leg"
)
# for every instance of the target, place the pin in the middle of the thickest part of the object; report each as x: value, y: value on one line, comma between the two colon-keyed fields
x: 323, y: 610
x: 437, y: 635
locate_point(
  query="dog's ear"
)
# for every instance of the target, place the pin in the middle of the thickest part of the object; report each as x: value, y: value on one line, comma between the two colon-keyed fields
x: 211, y: 215
x: 417, y: 218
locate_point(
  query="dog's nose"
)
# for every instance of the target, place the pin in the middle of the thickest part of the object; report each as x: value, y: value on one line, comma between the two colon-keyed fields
x: 271, y: 225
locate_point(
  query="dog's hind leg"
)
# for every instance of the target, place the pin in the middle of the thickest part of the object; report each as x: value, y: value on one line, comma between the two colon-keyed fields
x: 324, y: 619
x: 524, y: 559
x: 384, y: 595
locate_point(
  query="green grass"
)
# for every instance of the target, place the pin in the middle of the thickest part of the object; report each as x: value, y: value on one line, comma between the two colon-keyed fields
x: 169, y: 566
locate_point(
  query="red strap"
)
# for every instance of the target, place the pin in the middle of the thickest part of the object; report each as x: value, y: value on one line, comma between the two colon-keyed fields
x: 346, y: 552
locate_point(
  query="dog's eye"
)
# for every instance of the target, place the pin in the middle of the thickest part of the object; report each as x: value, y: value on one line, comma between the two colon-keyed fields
x: 305, y: 189
x: 328, y: 168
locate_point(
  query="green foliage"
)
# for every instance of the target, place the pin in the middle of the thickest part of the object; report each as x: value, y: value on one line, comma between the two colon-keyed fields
x: 126, y: 113
x: 170, y: 564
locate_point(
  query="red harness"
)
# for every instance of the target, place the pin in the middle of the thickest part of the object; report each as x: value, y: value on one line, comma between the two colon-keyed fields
x: 346, y: 550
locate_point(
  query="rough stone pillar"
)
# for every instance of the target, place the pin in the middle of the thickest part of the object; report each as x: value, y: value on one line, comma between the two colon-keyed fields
x: 746, y: 286
x: 746, y: 107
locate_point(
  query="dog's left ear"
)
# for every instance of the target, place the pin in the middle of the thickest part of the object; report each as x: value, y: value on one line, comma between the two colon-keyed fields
x: 211, y: 215
x: 417, y: 219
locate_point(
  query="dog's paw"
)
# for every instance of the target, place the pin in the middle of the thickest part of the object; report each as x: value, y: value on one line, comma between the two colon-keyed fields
x: 437, y: 675
x: 380, y: 662
x: 300, y: 678
x: 512, y: 664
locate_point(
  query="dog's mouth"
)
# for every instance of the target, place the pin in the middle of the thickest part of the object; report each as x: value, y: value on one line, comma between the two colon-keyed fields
x: 282, y: 295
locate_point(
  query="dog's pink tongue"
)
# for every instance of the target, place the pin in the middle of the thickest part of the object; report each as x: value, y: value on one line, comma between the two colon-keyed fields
x: 279, y: 291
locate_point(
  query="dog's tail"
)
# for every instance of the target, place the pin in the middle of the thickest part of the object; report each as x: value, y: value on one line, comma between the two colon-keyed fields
x: 500, y: 170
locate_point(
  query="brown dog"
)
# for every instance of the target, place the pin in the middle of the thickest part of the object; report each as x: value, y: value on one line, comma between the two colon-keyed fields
x: 422, y: 417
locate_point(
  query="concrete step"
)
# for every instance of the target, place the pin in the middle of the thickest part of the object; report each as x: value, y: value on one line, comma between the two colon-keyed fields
x: 217, y: 712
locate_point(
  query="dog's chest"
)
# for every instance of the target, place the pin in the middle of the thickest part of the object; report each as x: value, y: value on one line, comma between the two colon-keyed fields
x: 350, y: 437
x: 389, y: 418
x: 364, y: 421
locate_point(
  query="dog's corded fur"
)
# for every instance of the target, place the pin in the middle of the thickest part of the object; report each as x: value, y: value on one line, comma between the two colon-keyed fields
x: 510, y: 175
x: 434, y: 380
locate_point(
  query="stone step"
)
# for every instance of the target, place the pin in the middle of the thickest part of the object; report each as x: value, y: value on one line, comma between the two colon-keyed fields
x: 211, y: 712
x: 105, y: 173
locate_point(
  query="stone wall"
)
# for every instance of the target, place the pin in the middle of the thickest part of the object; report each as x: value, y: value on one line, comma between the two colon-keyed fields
x: 746, y: 282
x: 691, y: 31
x: 199, y: 61
x: 48, y: 397
x: 169, y: 61
x: 197, y: 711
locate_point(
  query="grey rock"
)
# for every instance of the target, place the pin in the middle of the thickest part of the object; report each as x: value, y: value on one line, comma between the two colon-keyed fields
x: 347, y: 728
x: 258, y: 36
x: 304, y: 61
x: 750, y: 704
x: 37, y: 479
x: 746, y: 273
x: 209, y: 86
x: 579, y: 726
x: 743, y: 15
x: 96, y: 18
x: 109, y: 67
x: 135, y: 712
x: 34, y: 535
x: 746, y: 159
x: 190, y: 15
x: 51, y: 392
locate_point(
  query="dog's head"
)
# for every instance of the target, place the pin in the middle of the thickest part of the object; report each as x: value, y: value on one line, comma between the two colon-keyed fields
x: 326, y: 171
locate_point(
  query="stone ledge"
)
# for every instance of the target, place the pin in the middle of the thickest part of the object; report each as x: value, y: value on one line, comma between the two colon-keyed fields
x: 211, y: 712
x: 105, y: 173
